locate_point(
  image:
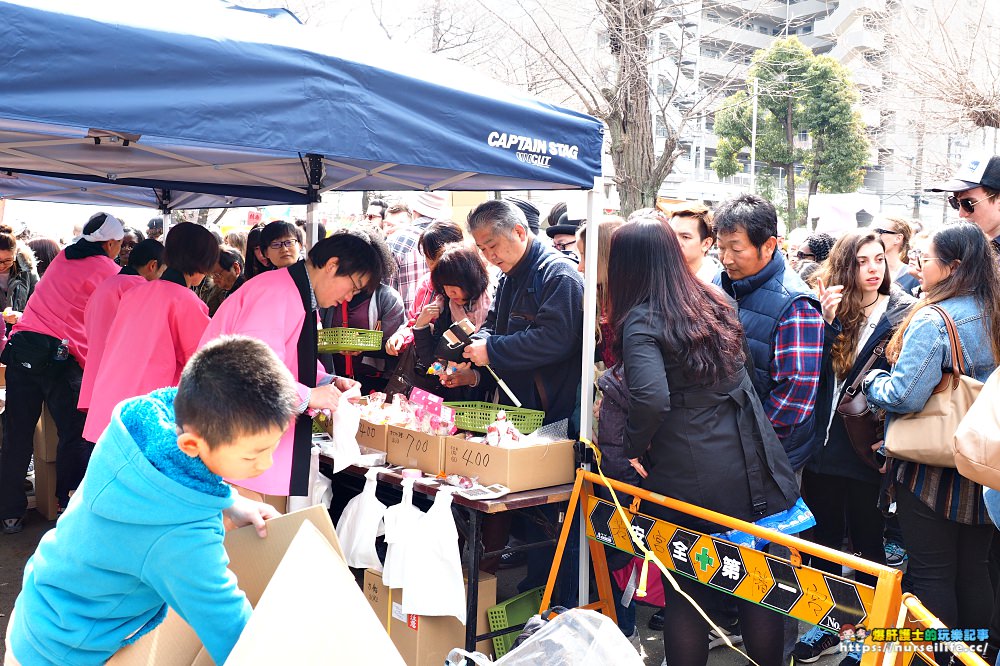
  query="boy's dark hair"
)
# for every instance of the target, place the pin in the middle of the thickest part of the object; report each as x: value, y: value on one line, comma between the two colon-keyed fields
x: 358, y: 250
x: 438, y: 234
x: 461, y: 266
x: 146, y: 251
x: 227, y: 257
x: 222, y: 397
x: 191, y: 248
x: 276, y: 230
x: 752, y: 214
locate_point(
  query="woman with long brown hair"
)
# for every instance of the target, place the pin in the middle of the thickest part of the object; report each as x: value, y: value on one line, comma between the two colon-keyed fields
x: 943, y: 516
x: 693, y: 420
x: 861, y: 308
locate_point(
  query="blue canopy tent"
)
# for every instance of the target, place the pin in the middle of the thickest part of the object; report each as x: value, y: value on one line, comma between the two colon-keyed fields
x: 194, y: 105
x: 200, y: 106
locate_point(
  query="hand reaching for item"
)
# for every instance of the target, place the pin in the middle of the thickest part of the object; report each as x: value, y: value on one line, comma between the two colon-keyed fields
x: 395, y: 344
x: 429, y: 314
x: 459, y: 374
x: 477, y: 353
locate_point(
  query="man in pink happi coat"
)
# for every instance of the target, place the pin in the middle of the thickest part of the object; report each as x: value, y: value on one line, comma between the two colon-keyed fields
x: 280, y: 308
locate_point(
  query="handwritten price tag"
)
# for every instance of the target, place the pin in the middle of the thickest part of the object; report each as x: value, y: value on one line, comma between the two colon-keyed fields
x: 476, y: 458
x: 366, y: 430
x: 415, y: 445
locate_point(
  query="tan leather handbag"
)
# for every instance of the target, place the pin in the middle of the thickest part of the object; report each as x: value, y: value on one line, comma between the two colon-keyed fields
x: 928, y: 436
x: 977, y: 440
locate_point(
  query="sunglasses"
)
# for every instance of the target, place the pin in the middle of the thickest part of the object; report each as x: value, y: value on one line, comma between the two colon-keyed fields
x: 884, y: 231
x: 805, y: 255
x: 562, y: 247
x: 968, y: 205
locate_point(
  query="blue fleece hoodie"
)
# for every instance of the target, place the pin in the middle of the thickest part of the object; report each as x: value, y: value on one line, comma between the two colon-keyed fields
x: 143, y: 532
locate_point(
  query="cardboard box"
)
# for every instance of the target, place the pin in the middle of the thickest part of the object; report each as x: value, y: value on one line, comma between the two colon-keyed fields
x: 307, y: 606
x: 411, y: 448
x: 46, y: 437
x: 423, y: 640
x: 519, y: 469
x: 371, y: 435
x: 45, y: 489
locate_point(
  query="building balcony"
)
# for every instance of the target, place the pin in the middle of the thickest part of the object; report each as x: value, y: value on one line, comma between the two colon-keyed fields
x: 725, y: 33
x: 857, y: 41
x: 866, y: 77
x: 776, y: 9
x: 835, y: 23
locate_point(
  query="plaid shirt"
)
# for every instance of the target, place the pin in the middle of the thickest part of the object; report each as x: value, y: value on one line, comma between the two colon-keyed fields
x: 410, y: 264
x: 798, y: 357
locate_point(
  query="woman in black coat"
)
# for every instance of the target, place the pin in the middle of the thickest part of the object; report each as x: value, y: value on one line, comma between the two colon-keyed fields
x: 694, y: 422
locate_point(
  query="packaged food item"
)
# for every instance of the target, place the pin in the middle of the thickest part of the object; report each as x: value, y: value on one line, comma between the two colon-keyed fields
x: 464, y: 482
x: 501, y: 432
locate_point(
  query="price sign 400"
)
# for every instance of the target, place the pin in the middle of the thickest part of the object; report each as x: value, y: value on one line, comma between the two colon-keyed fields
x: 416, y: 445
x: 477, y: 458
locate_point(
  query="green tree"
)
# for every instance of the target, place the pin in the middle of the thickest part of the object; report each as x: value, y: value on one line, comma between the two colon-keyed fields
x: 797, y: 92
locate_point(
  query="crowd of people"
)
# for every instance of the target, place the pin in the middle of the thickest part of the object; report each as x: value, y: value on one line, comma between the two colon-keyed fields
x: 723, y: 357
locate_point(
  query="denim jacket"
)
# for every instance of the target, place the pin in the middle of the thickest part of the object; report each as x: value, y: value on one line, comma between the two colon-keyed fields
x: 907, y: 387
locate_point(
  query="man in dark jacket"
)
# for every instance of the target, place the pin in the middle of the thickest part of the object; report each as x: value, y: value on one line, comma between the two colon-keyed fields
x: 784, y: 330
x: 532, y: 336
x: 780, y: 316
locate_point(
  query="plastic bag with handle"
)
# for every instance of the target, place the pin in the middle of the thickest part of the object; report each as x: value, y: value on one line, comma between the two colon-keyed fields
x: 320, y: 487
x: 360, y: 524
x: 401, y: 521
x: 433, y: 577
x: 344, y: 430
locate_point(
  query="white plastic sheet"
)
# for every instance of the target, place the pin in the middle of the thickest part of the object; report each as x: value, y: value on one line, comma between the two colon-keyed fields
x: 576, y: 638
x: 401, y: 521
x: 433, y: 577
x: 360, y: 524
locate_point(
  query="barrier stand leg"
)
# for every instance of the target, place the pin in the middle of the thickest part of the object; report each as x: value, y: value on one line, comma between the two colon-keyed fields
x: 606, y: 604
x: 885, y: 609
x: 574, y: 501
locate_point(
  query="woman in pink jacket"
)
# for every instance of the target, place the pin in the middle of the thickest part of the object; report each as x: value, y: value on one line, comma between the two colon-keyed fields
x: 45, y: 357
x: 280, y: 308
x: 157, y: 327
x: 144, y: 264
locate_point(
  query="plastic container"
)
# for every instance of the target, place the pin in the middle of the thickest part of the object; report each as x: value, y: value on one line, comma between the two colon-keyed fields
x: 332, y: 340
x: 476, y: 416
x: 512, y: 613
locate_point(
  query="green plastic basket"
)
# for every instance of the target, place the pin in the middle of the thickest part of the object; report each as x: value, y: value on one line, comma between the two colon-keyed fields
x: 476, y: 416
x: 332, y: 340
x: 511, y: 613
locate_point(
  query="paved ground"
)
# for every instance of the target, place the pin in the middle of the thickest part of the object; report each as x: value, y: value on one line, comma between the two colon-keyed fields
x: 16, y: 549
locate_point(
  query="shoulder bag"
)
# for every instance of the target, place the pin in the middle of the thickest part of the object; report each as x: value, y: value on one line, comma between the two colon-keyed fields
x: 864, y: 423
x: 977, y: 440
x: 928, y: 436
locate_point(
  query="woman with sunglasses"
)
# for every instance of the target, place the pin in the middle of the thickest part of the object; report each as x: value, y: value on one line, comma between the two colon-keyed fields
x: 945, y: 525
x: 861, y: 308
x: 280, y: 243
x: 815, y: 247
x: 896, y: 234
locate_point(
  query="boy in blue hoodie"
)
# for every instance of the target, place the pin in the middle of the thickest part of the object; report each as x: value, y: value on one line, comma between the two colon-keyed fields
x: 144, y: 530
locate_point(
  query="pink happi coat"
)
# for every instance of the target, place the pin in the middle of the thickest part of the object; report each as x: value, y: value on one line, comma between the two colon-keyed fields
x: 268, y: 308
x: 157, y: 329
x: 56, y: 307
x: 97, y: 318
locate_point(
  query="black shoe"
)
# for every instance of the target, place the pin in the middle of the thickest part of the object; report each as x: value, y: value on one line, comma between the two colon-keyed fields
x: 656, y: 622
x: 512, y: 560
x: 12, y: 525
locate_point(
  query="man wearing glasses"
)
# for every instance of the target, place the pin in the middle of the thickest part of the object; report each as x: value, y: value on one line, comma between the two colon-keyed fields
x: 563, y: 235
x: 974, y: 194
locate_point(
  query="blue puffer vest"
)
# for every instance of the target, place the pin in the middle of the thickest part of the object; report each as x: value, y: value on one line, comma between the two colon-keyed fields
x: 763, y: 300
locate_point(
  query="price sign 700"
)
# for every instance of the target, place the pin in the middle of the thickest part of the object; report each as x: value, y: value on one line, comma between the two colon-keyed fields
x: 415, y: 445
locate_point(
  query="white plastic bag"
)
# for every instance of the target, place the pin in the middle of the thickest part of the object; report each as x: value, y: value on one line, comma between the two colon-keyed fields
x: 320, y: 487
x: 433, y: 578
x: 401, y: 521
x: 360, y: 524
x: 576, y: 638
x: 346, y: 419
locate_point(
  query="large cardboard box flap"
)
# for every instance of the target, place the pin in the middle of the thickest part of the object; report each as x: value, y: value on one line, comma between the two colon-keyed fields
x: 313, y: 612
x: 307, y: 606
